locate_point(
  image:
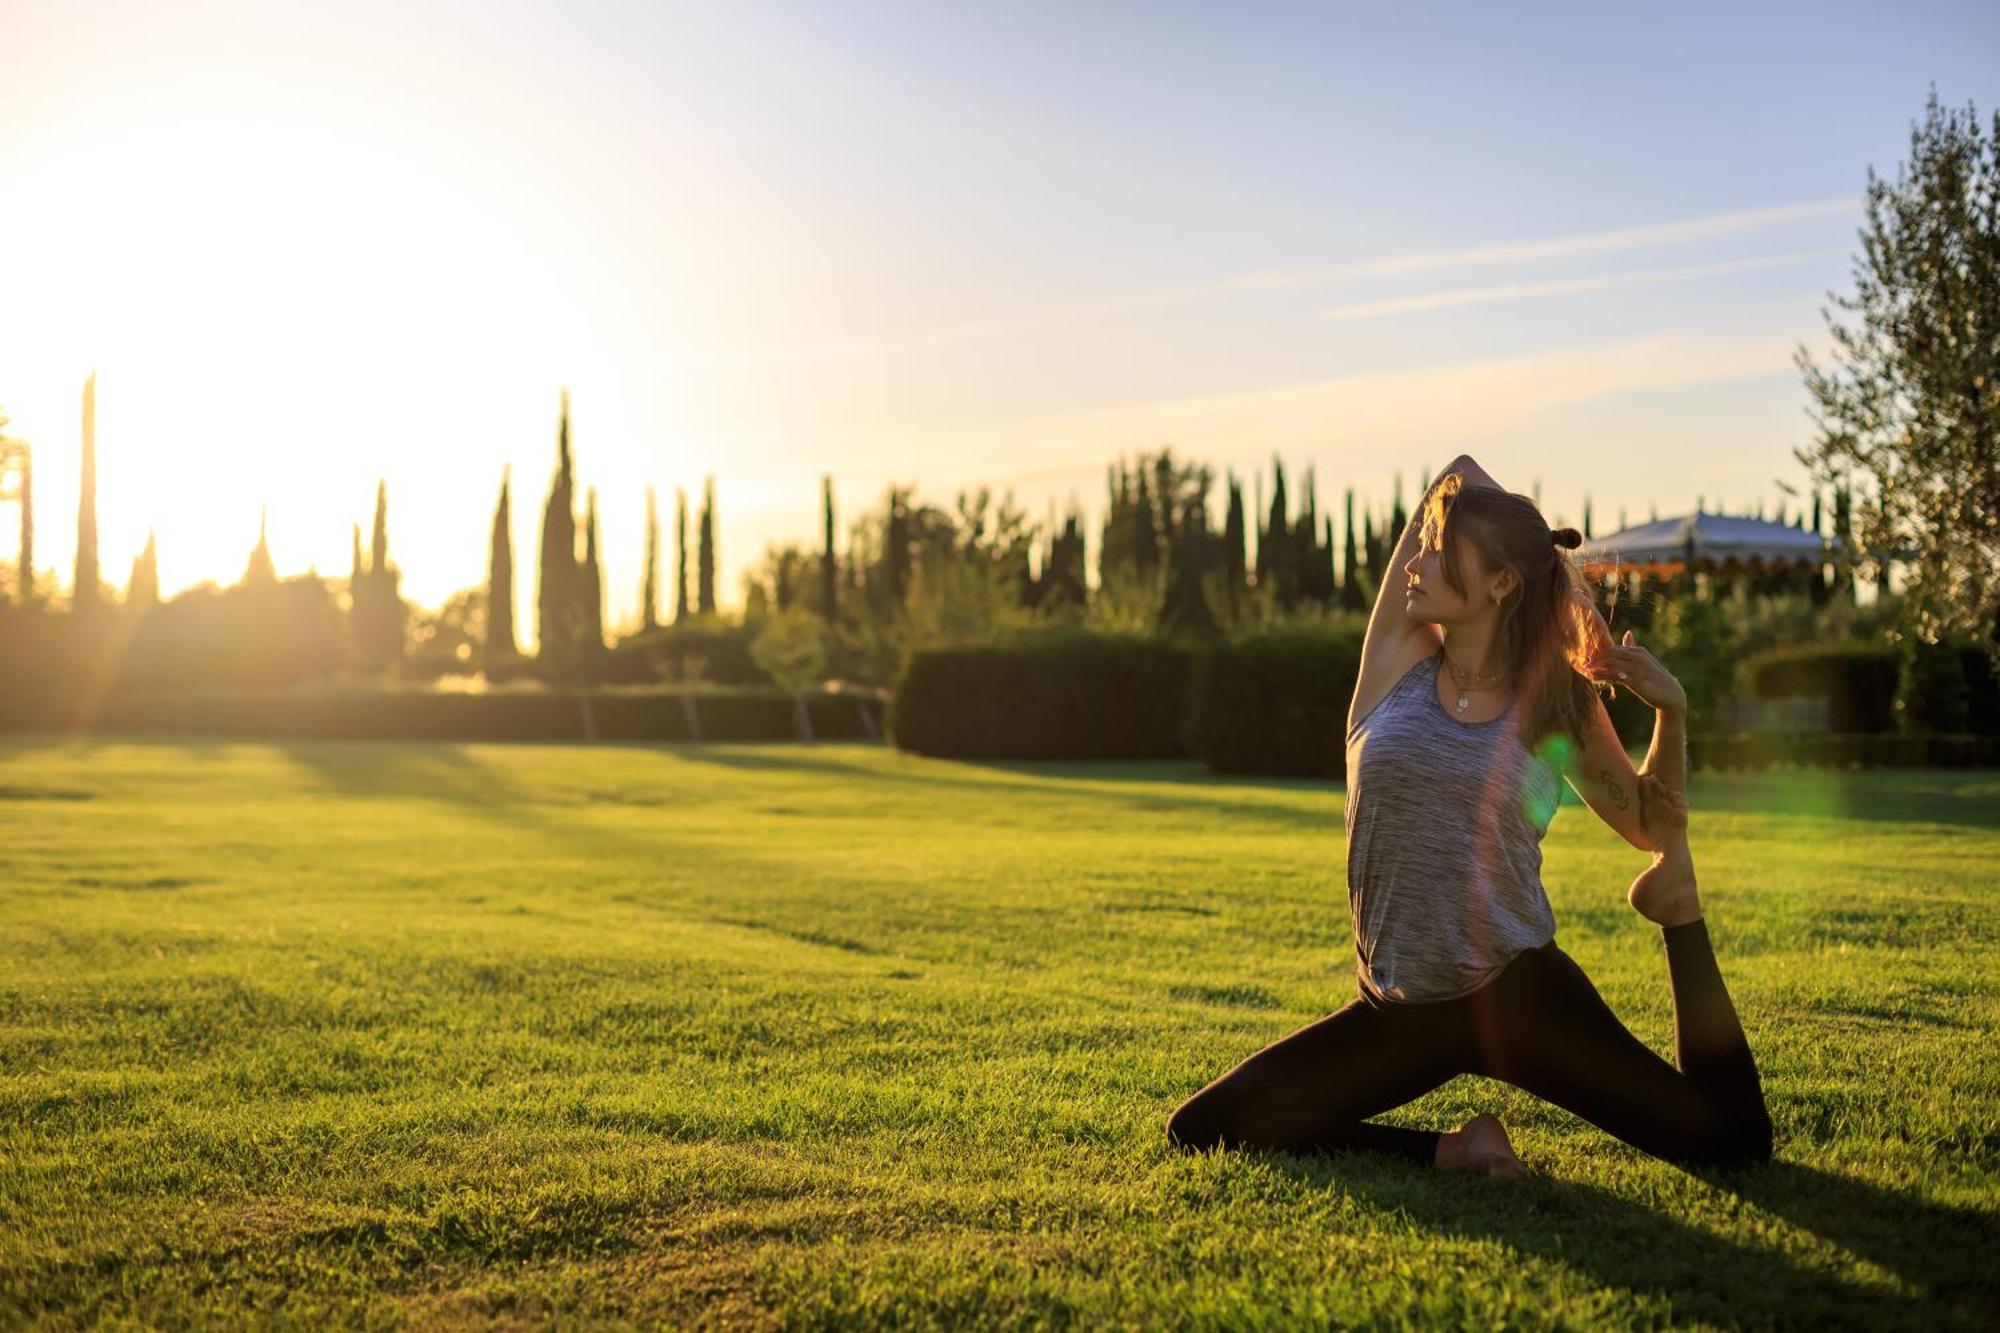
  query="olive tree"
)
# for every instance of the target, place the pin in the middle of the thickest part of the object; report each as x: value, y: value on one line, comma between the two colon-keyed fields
x: 1909, y: 407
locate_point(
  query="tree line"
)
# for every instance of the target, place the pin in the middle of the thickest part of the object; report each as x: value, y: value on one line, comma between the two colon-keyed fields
x: 910, y: 573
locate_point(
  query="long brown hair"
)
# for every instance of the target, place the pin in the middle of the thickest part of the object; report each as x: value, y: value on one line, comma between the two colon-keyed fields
x: 1540, y: 642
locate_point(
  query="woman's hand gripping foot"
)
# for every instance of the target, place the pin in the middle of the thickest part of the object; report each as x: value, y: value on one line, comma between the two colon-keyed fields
x: 1664, y: 892
x: 1480, y: 1148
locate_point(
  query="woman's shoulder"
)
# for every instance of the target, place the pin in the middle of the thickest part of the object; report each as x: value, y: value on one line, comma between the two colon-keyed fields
x: 1410, y: 674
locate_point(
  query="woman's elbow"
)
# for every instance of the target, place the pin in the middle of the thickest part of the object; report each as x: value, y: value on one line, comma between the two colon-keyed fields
x: 1633, y: 830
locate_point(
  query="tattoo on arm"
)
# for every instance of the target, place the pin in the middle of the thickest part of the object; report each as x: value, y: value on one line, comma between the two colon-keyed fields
x: 1617, y: 792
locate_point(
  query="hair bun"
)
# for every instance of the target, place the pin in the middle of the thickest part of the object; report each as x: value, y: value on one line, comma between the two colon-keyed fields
x: 1569, y: 537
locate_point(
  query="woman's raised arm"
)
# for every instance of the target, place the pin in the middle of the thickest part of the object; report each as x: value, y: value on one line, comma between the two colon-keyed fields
x: 1389, y: 616
x: 1395, y: 640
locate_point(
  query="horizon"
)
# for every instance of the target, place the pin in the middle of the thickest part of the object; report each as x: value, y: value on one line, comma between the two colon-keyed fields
x: 1000, y: 246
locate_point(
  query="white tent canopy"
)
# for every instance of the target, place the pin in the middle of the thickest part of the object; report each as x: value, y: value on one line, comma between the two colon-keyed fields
x: 1718, y: 540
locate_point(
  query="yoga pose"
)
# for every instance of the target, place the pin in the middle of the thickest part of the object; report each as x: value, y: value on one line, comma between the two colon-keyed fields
x: 1474, y: 704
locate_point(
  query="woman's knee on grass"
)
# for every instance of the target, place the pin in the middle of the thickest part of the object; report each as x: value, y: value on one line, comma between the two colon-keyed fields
x: 1738, y: 1140
x: 1199, y: 1122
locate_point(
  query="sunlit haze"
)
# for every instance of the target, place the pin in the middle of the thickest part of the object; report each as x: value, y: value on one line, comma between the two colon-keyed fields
x: 305, y: 247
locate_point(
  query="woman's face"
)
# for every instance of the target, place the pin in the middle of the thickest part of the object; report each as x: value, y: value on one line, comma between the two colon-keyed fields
x: 1429, y: 596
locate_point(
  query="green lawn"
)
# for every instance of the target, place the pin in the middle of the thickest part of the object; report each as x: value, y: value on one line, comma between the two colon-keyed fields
x: 774, y: 1035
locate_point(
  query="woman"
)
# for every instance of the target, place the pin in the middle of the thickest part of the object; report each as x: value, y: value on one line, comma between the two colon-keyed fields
x: 1473, y: 704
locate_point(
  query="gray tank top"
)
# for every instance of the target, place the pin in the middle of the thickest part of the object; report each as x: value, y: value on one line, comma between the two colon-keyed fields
x: 1444, y: 857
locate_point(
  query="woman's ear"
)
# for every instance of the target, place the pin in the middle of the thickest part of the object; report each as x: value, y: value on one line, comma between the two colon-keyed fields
x: 1504, y: 583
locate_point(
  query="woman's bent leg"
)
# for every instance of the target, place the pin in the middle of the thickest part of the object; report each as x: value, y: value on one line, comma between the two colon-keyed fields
x: 1314, y: 1089
x: 1555, y: 1037
x: 1709, y: 1044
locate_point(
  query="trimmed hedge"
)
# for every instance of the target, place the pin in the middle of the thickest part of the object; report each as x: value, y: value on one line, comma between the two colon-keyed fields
x: 617, y: 715
x: 1064, y: 695
x: 1275, y: 702
x: 1949, y: 688
x: 1942, y: 689
x: 1858, y: 681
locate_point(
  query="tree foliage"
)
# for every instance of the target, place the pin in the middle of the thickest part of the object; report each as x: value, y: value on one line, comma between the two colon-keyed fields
x: 1909, y: 407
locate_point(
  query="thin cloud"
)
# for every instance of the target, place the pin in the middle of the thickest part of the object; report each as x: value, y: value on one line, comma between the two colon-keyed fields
x: 1522, y: 291
x: 1416, y: 408
x: 1681, y: 232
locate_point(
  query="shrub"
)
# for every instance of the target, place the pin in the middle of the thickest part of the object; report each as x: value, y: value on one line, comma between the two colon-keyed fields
x: 1857, y: 680
x: 1274, y: 702
x: 701, y: 649
x: 1066, y: 694
x: 511, y: 715
x: 1945, y: 688
x: 1696, y: 640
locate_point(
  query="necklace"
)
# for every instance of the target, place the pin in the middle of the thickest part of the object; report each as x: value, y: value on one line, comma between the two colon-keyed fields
x: 1468, y: 680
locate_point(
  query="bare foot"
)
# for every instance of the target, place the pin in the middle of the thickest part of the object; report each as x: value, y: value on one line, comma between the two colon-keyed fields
x: 1480, y: 1148
x: 1665, y: 891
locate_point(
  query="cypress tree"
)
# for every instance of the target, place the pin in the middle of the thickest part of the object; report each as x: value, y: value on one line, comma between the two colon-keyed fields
x: 1305, y: 543
x: 25, y: 575
x: 1166, y: 522
x: 1128, y: 543
x: 1184, y: 607
x: 500, y: 576
x: 1106, y: 543
x: 649, y: 592
x: 829, y: 566
x: 1064, y: 579
x: 1353, y: 595
x: 384, y: 617
x: 896, y: 548
x: 1329, y: 577
x: 705, y: 554
x: 1145, y: 551
x: 260, y: 572
x: 1273, y: 555
x: 1843, y: 531
x: 590, y: 588
x: 1372, y: 547
x: 85, y: 596
x: 143, y: 592
x: 1234, y: 557
x: 680, y: 555
x: 1586, y: 518
x: 378, y: 554
x: 556, y: 611
x: 1258, y: 560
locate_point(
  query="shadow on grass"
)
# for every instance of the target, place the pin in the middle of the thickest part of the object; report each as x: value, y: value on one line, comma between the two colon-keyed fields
x: 1944, y: 1252
x: 432, y: 770
x: 1068, y: 780
x: 1949, y: 1252
x: 1969, y: 799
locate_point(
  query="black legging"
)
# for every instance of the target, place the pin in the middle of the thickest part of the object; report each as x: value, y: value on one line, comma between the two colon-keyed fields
x: 1539, y: 1025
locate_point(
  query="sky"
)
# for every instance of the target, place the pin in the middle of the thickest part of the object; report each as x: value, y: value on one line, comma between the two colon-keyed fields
x: 307, y: 247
